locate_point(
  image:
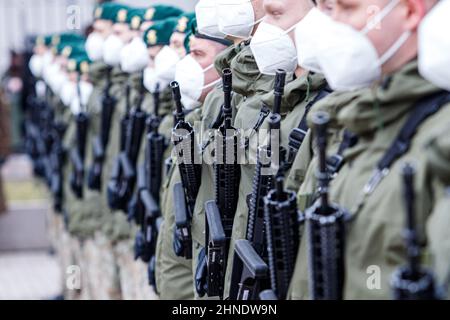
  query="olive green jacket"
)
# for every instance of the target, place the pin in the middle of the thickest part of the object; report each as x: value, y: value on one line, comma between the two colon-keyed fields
x: 374, y: 236
x: 438, y: 160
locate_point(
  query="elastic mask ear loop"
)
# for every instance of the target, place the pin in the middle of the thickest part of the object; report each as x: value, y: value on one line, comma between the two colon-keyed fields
x: 212, y: 84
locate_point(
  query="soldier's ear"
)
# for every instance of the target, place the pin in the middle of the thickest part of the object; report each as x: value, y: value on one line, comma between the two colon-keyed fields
x: 414, y: 11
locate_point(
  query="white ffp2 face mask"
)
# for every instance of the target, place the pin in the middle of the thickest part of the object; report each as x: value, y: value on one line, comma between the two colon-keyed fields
x: 68, y: 93
x: 85, y: 91
x: 94, y: 46
x: 236, y: 18
x: 273, y: 49
x: 191, y: 78
x: 165, y: 65
x: 112, y: 49
x: 434, y: 46
x: 36, y: 65
x: 348, y: 58
x: 207, y: 15
x: 151, y: 80
x: 134, y: 56
x: 309, y: 34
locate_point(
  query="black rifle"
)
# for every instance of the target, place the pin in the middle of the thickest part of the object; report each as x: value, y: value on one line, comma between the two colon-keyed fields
x: 123, y: 179
x: 220, y: 212
x: 100, y: 143
x: 250, y: 271
x: 185, y: 193
x: 326, y: 228
x: 149, y: 183
x: 282, y: 232
x: 78, y: 154
x: 57, y: 162
x: 412, y: 282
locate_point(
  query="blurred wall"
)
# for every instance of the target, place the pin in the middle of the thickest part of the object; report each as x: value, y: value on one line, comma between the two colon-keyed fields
x: 19, y: 18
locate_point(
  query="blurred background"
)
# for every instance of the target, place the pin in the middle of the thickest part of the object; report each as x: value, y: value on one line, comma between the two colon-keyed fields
x: 28, y: 268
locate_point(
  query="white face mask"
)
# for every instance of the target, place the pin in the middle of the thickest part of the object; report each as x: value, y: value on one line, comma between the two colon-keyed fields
x: 207, y: 15
x: 85, y: 92
x: 273, y: 49
x: 58, y: 81
x: 134, y: 56
x: 348, y: 58
x: 68, y: 93
x: 191, y: 78
x: 36, y: 65
x: 48, y: 58
x: 236, y: 18
x: 151, y: 80
x: 49, y: 72
x: 94, y: 46
x: 434, y: 46
x: 165, y: 65
x: 112, y: 49
x: 309, y: 33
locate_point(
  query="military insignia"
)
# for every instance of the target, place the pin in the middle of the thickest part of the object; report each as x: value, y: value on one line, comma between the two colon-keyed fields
x: 151, y: 37
x: 40, y: 41
x: 66, y: 51
x: 122, y: 15
x: 84, y: 67
x: 72, y: 65
x: 56, y: 40
x: 149, y: 14
x: 182, y: 24
x: 98, y: 12
x: 135, y: 22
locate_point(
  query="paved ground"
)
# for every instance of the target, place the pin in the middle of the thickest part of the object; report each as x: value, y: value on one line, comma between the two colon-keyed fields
x: 27, y: 269
x: 28, y: 275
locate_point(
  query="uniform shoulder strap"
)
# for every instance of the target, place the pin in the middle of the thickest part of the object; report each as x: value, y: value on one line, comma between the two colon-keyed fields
x: 423, y: 110
x: 298, y: 134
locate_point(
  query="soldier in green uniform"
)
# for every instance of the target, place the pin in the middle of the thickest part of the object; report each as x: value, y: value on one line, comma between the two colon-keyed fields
x: 432, y: 57
x: 303, y: 89
x: 174, y: 274
x: 390, y: 87
x: 248, y: 85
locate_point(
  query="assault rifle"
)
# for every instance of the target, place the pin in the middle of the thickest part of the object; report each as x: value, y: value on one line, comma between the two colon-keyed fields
x: 78, y: 154
x: 326, y: 228
x: 185, y: 193
x: 412, y: 282
x: 100, y: 142
x: 220, y: 212
x: 149, y: 183
x: 250, y: 270
x: 121, y: 185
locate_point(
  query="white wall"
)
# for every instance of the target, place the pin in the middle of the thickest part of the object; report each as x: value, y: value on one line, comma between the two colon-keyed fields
x: 21, y: 17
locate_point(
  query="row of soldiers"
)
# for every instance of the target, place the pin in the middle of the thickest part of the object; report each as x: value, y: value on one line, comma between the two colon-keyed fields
x: 278, y: 149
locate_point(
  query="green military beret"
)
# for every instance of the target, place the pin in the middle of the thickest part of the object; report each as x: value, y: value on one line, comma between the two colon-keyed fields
x: 193, y: 32
x: 69, y: 49
x: 106, y: 11
x: 135, y: 17
x: 160, y: 12
x: 184, y: 23
x: 160, y: 32
x: 122, y: 14
x: 66, y: 38
x: 79, y: 63
x: 43, y: 41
